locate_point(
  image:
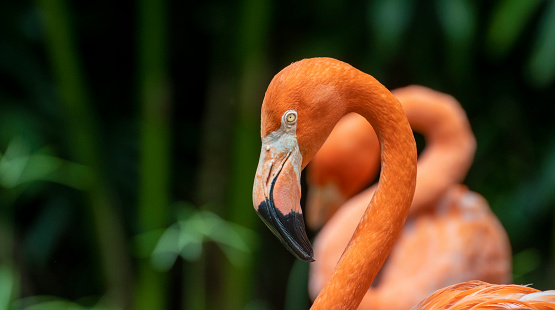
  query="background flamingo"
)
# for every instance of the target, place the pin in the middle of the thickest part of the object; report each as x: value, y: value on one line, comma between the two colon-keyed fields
x: 347, y: 162
x: 301, y: 105
x: 453, y: 239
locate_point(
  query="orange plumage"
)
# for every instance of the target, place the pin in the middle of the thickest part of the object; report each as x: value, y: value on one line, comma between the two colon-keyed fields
x: 479, y: 295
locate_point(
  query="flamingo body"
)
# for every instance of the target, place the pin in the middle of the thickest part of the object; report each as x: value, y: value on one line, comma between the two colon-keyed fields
x: 459, y: 241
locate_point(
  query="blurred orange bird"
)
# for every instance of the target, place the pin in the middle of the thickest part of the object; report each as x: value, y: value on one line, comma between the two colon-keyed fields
x: 302, y: 104
x: 450, y: 236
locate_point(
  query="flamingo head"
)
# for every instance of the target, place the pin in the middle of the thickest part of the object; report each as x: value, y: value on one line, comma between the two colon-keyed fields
x: 299, y: 110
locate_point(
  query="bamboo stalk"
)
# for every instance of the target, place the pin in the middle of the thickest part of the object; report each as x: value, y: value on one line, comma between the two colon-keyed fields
x: 83, y: 142
x: 251, y: 56
x: 154, y: 98
x: 195, y: 285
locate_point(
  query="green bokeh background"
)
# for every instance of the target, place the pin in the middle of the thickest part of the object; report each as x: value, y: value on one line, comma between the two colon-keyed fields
x: 129, y: 137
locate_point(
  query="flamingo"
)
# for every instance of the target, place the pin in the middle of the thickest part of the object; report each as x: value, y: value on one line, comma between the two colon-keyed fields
x: 453, y: 237
x: 445, y: 161
x: 338, y: 172
x: 300, y: 107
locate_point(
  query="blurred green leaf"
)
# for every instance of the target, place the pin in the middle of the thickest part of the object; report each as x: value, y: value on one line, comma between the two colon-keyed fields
x: 19, y: 165
x: 168, y: 248
x: 195, y: 227
x: 541, y: 64
x: 507, y: 24
x: 13, y: 162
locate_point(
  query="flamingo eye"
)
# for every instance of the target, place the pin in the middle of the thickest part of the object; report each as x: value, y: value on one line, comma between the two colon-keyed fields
x: 291, y: 117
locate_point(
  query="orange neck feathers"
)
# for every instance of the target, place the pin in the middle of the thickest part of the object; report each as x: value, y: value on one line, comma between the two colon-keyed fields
x: 383, y: 220
x: 321, y: 91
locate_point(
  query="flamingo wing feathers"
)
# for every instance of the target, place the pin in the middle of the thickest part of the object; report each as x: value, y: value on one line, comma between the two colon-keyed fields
x: 479, y: 295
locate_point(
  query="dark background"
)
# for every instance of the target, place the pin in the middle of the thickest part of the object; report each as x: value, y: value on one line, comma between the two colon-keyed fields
x: 129, y: 137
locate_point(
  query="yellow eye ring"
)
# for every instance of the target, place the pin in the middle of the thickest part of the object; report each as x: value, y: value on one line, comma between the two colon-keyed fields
x: 291, y: 117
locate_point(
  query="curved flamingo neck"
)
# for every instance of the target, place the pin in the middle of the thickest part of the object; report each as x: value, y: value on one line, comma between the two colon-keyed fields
x: 450, y: 143
x: 383, y: 220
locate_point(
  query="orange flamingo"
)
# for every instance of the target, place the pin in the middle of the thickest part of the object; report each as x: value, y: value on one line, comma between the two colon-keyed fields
x: 300, y: 107
x: 448, y: 155
x: 455, y: 236
x: 344, y: 165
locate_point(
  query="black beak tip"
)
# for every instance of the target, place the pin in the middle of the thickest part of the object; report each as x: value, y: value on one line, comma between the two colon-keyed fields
x: 289, y: 229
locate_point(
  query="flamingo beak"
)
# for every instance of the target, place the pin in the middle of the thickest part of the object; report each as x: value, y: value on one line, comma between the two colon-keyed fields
x: 276, y: 196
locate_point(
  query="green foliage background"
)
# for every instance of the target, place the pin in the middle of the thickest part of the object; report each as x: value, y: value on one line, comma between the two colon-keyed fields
x: 129, y: 137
